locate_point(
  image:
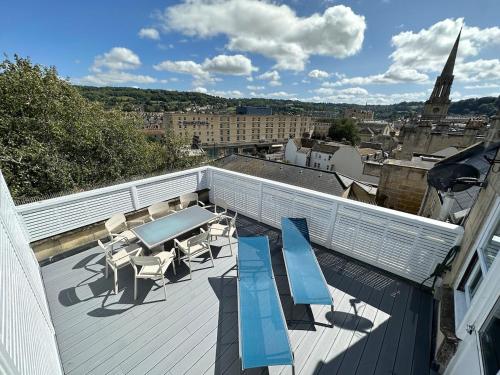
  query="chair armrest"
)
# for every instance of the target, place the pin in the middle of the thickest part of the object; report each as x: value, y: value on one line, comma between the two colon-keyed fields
x: 114, y: 241
x: 178, y: 244
x: 202, y: 230
x: 200, y: 203
x: 118, y: 237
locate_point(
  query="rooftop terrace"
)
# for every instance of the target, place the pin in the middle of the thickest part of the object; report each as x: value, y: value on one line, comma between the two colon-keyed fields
x: 376, y: 320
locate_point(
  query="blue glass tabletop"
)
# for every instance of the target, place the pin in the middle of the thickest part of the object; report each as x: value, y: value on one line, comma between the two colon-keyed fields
x: 263, y: 331
x: 307, y: 283
x: 161, y: 230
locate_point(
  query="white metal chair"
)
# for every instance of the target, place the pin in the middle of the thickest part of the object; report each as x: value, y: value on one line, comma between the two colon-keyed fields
x: 194, y: 247
x: 190, y: 199
x: 118, y: 228
x: 158, y: 210
x: 153, y: 267
x: 119, y: 259
x: 225, y: 227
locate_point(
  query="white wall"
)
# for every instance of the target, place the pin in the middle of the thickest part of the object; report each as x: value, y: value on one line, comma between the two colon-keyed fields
x: 346, y: 161
x: 27, y: 337
x: 290, y: 151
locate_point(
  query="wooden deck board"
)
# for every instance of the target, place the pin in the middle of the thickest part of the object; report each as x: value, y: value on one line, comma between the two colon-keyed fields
x: 377, y: 318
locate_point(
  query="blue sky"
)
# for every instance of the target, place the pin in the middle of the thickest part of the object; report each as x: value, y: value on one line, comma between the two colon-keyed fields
x: 375, y: 51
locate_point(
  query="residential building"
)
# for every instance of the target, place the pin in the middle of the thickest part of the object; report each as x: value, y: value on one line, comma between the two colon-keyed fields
x: 234, y: 129
x: 321, y: 126
x: 298, y: 151
x: 358, y: 114
x: 153, y: 124
x: 344, y: 159
x: 64, y: 317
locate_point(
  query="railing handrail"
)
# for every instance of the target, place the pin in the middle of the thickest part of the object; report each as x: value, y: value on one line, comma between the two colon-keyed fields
x: 93, y: 192
x: 362, y: 205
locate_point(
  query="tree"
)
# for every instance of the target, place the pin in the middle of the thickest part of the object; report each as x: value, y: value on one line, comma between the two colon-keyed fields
x: 344, y: 129
x: 52, y: 139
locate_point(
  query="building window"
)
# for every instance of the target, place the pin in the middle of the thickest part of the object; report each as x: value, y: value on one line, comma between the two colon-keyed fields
x: 473, y: 282
x: 489, y: 338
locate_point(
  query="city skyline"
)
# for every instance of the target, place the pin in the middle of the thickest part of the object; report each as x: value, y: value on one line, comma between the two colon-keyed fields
x: 322, y: 51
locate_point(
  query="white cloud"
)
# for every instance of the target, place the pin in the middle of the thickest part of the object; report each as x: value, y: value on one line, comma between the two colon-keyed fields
x: 234, y: 65
x: 255, y: 88
x: 113, y: 77
x: 108, y: 69
x: 272, y: 76
x: 118, y: 58
x: 482, y: 86
x: 269, y: 29
x: 318, y: 74
x: 419, y: 55
x: 237, y: 65
x: 224, y: 94
x: 149, y: 33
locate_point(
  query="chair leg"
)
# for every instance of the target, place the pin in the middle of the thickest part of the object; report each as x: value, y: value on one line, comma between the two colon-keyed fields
x: 106, y: 272
x: 164, y: 287
x: 116, y: 280
x: 211, y: 257
x: 189, y: 262
x: 135, y: 288
x: 230, y: 246
x: 173, y: 265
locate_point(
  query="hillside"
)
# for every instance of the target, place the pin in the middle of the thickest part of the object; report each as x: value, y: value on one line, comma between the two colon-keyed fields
x: 152, y: 100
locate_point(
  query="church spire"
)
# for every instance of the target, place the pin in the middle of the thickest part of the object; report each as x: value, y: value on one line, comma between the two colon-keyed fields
x: 450, y: 63
x: 436, y: 108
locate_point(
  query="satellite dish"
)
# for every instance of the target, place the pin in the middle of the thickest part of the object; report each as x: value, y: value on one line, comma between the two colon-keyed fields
x: 454, y: 176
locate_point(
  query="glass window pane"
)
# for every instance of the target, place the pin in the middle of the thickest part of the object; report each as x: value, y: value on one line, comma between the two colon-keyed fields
x: 475, y: 282
x: 490, y: 251
x: 489, y: 337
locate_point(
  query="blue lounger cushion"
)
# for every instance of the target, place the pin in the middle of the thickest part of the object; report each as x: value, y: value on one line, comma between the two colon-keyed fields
x: 307, y: 283
x: 263, y: 333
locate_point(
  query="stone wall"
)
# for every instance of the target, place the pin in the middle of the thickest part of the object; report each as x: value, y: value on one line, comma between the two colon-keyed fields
x: 402, y: 185
x: 371, y: 168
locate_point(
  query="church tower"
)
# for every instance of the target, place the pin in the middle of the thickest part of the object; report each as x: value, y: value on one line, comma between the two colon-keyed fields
x: 436, y: 108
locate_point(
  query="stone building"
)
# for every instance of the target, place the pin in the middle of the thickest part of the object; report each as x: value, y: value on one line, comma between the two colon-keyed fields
x: 434, y: 131
x: 403, y: 184
x: 235, y: 129
x: 358, y: 114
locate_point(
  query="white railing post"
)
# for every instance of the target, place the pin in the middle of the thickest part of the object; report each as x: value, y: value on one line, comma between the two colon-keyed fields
x: 135, y: 197
x: 333, y: 217
x: 200, y: 178
x: 259, y: 214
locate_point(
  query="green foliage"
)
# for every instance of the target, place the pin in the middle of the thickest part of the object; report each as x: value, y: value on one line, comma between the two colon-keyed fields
x: 344, y: 129
x: 131, y: 99
x: 52, y: 139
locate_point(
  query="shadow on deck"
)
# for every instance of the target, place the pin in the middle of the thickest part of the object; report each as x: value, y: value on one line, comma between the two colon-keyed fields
x: 376, y: 319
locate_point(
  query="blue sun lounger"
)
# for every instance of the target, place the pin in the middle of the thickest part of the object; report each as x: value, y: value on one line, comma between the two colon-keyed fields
x: 307, y: 283
x: 263, y: 333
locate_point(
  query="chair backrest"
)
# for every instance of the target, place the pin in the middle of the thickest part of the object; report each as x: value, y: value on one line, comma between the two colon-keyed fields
x: 189, y: 199
x: 232, y: 222
x: 159, y: 209
x: 220, y: 203
x: 145, y: 260
x: 199, y: 238
x: 116, y: 223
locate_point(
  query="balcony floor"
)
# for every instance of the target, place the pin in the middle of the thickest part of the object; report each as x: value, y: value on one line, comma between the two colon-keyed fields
x: 376, y: 318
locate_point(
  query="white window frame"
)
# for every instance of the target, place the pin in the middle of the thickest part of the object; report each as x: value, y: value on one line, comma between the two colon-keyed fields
x: 477, y: 268
x: 467, y: 313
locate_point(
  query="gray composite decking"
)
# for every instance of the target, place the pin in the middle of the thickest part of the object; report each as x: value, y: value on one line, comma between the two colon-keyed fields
x: 382, y: 325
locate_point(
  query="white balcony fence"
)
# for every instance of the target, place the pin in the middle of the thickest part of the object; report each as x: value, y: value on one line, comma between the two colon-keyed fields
x: 50, y: 217
x: 28, y: 344
x: 406, y: 245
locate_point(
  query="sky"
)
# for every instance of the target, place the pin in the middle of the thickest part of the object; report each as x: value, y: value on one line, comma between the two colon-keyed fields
x: 361, y: 51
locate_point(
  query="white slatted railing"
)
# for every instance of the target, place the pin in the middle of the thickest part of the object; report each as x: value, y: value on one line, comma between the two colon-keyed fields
x: 27, y: 338
x: 407, y: 245
x: 58, y: 215
x: 404, y: 244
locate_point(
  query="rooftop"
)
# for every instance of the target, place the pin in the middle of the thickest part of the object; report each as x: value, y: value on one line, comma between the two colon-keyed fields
x: 376, y: 320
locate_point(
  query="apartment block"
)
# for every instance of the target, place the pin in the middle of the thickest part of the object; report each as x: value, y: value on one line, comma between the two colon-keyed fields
x: 234, y: 129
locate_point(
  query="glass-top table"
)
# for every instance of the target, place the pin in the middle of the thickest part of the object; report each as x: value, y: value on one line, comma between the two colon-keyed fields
x: 157, y: 232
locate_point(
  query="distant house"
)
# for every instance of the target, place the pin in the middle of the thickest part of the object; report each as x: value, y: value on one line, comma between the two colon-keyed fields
x: 298, y: 151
